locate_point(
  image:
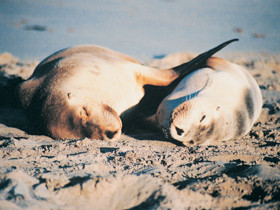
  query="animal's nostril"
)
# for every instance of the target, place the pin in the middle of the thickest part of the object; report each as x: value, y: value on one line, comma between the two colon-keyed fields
x: 179, y: 131
x: 110, y: 134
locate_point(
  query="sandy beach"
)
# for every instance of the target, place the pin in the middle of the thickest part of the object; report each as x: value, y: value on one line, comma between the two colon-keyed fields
x: 143, y: 171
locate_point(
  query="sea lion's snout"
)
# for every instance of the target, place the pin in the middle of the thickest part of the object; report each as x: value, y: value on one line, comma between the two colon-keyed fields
x: 103, y: 124
x: 111, y: 124
x: 111, y: 134
x: 177, y: 131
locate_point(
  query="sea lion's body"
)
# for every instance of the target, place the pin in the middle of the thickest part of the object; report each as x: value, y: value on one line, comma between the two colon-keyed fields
x: 218, y: 102
x: 81, y: 91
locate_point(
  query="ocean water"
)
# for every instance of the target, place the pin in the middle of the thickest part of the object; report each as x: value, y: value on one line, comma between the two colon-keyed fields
x: 33, y: 29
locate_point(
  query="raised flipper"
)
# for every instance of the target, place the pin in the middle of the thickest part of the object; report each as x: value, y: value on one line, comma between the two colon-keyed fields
x: 155, y: 94
x: 200, y: 61
x: 165, y: 77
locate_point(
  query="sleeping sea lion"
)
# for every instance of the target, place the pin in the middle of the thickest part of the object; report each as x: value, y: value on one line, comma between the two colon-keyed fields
x: 218, y: 102
x: 81, y: 91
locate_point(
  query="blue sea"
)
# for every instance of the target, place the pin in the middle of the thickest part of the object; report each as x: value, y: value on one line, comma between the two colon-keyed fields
x: 33, y: 29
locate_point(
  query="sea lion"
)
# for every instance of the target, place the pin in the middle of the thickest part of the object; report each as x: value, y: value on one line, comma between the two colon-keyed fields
x: 81, y: 91
x: 218, y: 102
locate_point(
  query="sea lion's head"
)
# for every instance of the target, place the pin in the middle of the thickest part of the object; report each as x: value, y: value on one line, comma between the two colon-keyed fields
x: 92, y: 120
x: 192, y: 121
x: 100, y: 122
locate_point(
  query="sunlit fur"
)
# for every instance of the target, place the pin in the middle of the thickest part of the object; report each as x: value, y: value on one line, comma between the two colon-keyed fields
x: 81, y: 91
x: 216, y: 103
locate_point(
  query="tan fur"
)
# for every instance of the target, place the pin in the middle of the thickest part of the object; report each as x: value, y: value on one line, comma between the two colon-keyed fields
x: 81, y: 91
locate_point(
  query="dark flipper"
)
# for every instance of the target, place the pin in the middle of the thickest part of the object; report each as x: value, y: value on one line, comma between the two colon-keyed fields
x: 155, y: 94
x: 199, y: 61
x: 196, y: 63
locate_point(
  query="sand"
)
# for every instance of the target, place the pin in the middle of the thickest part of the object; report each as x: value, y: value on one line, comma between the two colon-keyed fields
x: 143, y: 171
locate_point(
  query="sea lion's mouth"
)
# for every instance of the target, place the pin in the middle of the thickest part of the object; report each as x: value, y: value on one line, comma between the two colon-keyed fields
x: 166, y: 131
